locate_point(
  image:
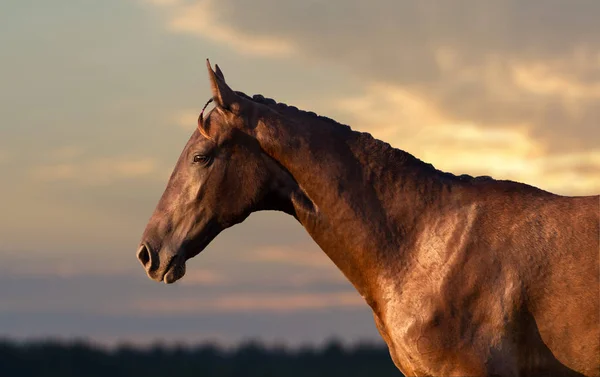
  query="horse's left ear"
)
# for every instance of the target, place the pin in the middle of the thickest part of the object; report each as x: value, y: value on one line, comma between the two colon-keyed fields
x: 223, y: 95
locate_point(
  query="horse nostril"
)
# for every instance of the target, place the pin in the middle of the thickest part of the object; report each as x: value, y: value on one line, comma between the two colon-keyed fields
x: 143, y: 255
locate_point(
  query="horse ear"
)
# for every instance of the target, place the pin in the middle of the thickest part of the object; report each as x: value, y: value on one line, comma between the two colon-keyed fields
x: 223, y: 95
x: 219, y: 72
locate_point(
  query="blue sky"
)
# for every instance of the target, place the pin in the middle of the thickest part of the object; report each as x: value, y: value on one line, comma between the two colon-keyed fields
x: 99, y: 97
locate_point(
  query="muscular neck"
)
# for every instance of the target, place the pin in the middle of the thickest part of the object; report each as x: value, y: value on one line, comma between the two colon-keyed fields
x: 364, y: 195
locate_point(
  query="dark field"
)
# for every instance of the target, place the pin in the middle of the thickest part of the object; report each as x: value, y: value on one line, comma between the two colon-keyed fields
x: 53, y: 359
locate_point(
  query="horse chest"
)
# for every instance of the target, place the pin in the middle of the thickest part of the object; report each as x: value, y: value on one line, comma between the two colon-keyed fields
x: 416, y: 334
x: 444, y: 326
x: 426, y: 342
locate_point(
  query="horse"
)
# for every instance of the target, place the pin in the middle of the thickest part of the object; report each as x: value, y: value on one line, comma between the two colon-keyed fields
x: 466, y: 276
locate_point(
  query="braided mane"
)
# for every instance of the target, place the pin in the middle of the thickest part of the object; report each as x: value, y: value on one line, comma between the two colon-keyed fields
x: 289, y: 109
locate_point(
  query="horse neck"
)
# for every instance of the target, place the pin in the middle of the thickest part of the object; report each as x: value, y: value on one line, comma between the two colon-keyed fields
x: 365, y: 195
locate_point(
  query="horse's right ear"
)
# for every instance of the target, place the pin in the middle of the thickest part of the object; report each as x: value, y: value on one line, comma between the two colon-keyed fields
x: 223, y: 95
x: 219, y: 72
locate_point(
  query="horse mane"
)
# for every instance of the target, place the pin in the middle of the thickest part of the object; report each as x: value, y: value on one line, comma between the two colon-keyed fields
x: 365, y: 138
x: 289, y: 109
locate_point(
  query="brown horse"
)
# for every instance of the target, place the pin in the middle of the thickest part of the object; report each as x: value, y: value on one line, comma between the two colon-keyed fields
x: 465, y: 276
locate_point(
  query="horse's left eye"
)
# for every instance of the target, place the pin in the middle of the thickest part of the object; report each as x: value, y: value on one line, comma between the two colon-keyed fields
x: 201, y: 159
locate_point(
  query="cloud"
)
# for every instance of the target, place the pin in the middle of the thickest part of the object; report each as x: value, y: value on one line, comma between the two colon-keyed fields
x: 100, y: 171
x: 42, y: 281
x: 203, y: 19
x: 252, y: 302
x: 4, y: 157
x: 56, y: 172
x: 284, y: 275
x: 195, y: 277
x: 61, y: 268
x: 301, y: 266
x: 496, y: 64
x: 298, y: 266
x: 43, y: 265
x: 68, y: 152
x: 410, y: 122
x: 543, y: 80
x: 163, y: 2
x: 186, y: 119
x: 290, y: 256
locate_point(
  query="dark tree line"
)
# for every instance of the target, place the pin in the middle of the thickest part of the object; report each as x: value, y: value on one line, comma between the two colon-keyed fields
x: 80, y: 359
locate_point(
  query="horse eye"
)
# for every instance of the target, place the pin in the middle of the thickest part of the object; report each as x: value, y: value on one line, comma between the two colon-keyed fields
x: 201, y: 159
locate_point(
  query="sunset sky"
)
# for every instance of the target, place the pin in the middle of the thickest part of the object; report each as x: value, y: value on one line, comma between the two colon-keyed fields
x: 98, y: 98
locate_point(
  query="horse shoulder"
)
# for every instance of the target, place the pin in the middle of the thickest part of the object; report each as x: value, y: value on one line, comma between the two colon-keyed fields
x: 453, y: 303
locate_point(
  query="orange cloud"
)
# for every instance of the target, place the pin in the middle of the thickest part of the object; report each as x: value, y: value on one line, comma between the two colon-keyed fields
x: 251, y: 302
x: 68, y: 152
x: 408, y: 121
x: 186, y: 119
x: 545, y: 80
x: 202, y: 277
x: 42, y: 264
x: 291, y: 256
x: 99, y: 171
x: 4, y: 157
x: 202, y: 19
